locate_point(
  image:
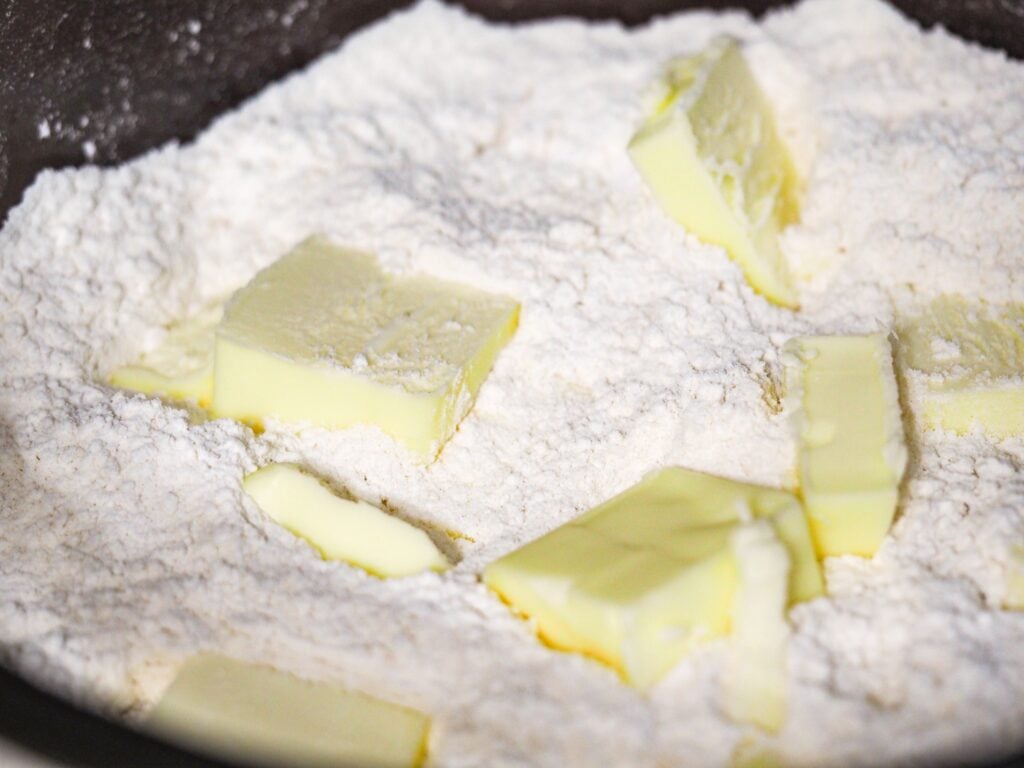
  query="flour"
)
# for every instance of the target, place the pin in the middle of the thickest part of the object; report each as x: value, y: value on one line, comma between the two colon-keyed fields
x: 496, y: 156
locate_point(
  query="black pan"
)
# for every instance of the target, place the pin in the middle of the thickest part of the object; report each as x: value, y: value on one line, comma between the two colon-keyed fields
x: 114, y: 64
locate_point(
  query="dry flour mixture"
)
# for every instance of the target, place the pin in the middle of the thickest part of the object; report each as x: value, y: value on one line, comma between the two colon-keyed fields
x: 496, y: 156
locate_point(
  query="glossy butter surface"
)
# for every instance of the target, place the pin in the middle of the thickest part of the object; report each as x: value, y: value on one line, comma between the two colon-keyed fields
x: 713, y: 158
x: 324, y: 336
x: 339, y: 528
x: 971, y: 356
x: 641, y: 579
x: 181, y: 368
x: 266, y: 717
x: 852, y: 454
x: 756, y: 684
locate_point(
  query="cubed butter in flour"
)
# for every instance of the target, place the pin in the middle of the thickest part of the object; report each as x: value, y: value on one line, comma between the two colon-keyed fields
x: 757, y: 687
x: 324, y: 336
x: 181, y: 368
x: 1014, y: 598
x: 714, y: 160
x: 262, y: 716
x: 639, y: 580
x: 342, y: 529
x: 852, y: 453
x: 965, y: 362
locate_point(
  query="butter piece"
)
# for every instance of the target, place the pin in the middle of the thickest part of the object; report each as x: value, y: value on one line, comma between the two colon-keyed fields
x: 756, y: 683
x: 971, y: 360
x: 712, y: 156
x: 1014, y: 598
x: 340, y: 529
x: 639, y: 580
x: 752, y: 753
x: 852, y: 453
x: 265, y: 717
x: 181, y: 368
x: 324, y: 336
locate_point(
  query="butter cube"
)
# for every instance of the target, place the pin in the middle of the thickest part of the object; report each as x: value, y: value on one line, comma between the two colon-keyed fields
x: 851, y: 454
x: 713, y: 158
x: 266, y: 717
x: 340, y: 529
x: 754, y: 753
x: 756, y: 683
x: 181, y: 368
x: 969, y: 359
x: 324, y: 336
x: 1014, y: 598
x: 639, y: 580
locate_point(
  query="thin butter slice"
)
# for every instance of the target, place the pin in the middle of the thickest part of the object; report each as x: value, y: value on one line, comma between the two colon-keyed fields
x: 325, y: 336
x: 641, y: 579
x: 181, y: 368
x: 265, y: 717
x: 751, y: 752
x: 756, y: 688
x: 340, y: 529
x: 713, y: 158
x: 851, y: 454
x: 970, y: 359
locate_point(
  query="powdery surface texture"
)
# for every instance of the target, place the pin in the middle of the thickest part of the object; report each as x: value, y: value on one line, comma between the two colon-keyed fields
x: 496, y: 156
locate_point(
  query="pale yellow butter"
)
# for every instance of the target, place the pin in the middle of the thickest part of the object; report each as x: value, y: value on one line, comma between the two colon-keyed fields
x: 971, y: 359
x: 639, y: 580
x: 341, y: 529
x: 752, y: 752
x: 852, y: 452
x: 266, y: 717
x: 181, y: 368
x: 1014, y: 598
x: 713, y: 158
x: 757, y: 687
x: 325, y: 336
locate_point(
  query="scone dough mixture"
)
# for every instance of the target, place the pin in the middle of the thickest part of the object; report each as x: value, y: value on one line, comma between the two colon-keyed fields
x: 495, y: 155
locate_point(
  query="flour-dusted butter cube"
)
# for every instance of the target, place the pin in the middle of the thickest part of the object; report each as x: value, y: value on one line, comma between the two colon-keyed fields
x: 713, y: 158
x: 757, y: 688
x: 639, y: 580
x: 966, y: 364
x: 325, y: 336
x: 1014, y: 597
x: 852, y: 454
x: 265, y: 717
x: 181, y: 368
x: 342, y: 529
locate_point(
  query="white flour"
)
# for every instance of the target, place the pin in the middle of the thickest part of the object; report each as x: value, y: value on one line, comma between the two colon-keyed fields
x: 496, y: 156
